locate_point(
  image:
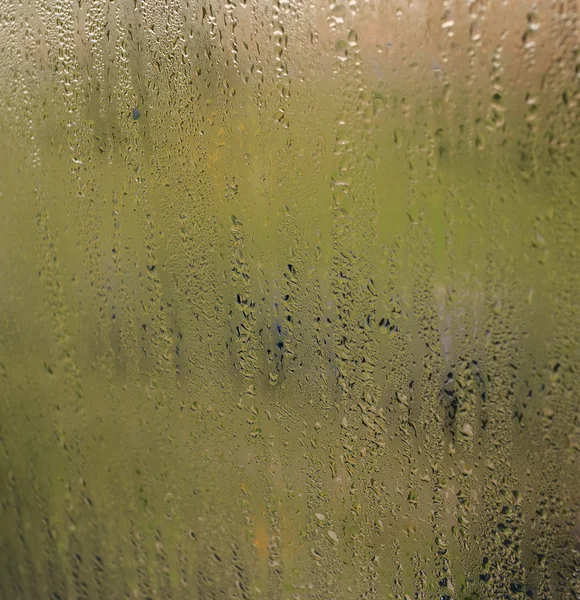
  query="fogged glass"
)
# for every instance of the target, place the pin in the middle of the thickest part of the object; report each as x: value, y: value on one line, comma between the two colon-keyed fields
x: 289, y: 299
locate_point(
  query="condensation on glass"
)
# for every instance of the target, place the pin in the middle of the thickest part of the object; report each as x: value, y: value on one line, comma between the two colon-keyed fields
x: 289, y: 299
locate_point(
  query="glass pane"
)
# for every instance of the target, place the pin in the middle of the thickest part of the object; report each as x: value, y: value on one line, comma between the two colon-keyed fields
x: 289, y: 299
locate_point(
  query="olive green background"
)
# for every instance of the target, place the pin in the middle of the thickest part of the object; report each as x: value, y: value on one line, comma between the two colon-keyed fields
x: 308, y: 327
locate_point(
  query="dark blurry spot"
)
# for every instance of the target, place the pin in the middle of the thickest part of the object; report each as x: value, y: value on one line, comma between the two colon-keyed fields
x: 135, y: 114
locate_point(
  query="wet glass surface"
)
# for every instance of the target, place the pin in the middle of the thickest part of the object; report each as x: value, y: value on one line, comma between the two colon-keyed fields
x: 289, y: 300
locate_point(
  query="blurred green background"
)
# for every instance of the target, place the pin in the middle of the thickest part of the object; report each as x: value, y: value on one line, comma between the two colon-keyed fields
x: 289, y: 300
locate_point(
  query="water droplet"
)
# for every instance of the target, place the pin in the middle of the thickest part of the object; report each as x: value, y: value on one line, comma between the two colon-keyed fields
x: 332, y: 535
